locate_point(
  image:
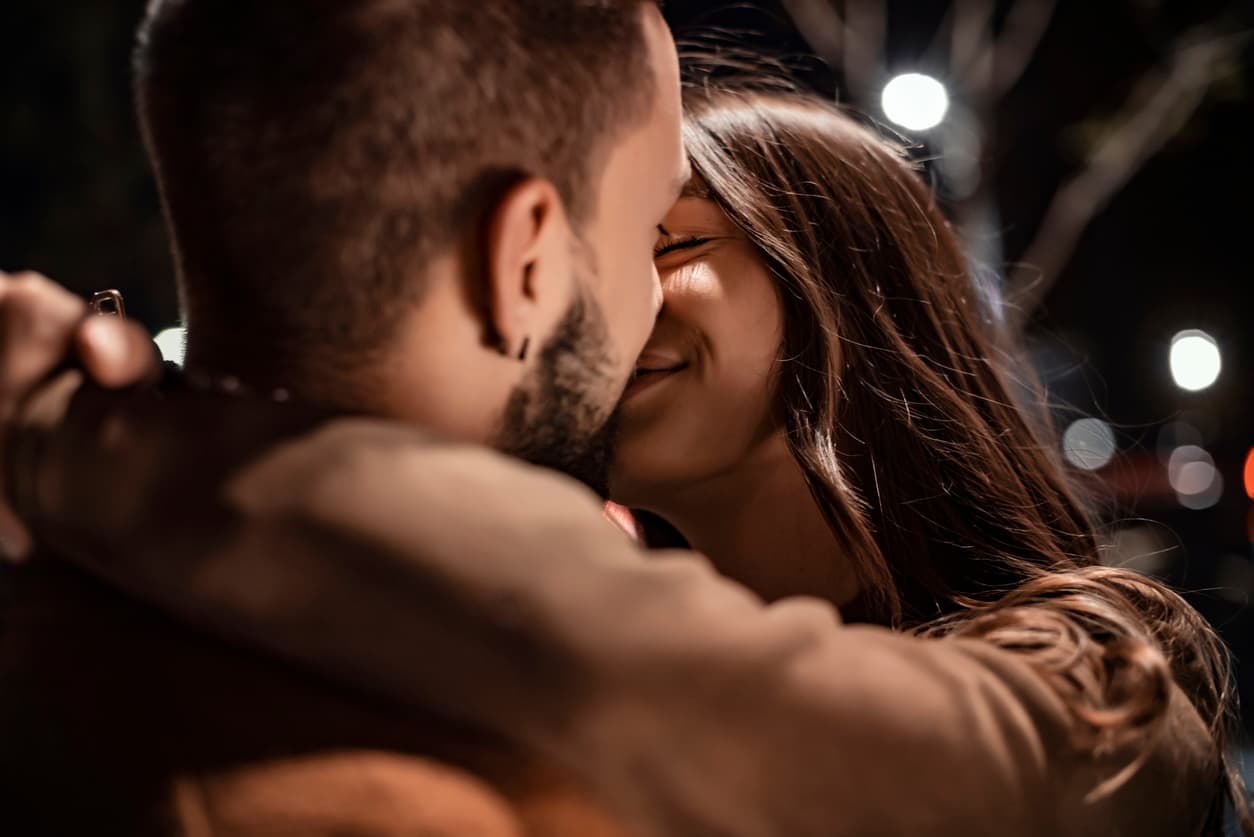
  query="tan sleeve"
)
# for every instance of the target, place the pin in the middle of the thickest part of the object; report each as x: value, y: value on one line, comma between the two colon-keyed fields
x: 479, y: 587
x: 365, y: 794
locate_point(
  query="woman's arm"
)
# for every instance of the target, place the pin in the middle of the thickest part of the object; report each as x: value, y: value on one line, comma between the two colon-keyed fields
x: 454, y: 578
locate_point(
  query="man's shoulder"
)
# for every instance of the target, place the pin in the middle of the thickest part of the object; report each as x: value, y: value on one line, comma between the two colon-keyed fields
x: 390, y: 478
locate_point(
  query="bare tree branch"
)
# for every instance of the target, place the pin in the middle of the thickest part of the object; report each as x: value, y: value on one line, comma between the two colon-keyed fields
x: 1025, y: 26
x: 972, y: 45
x: 941, y: 39
x: 820, y: 23
x: 1161, y: 104
x: 866, y: 33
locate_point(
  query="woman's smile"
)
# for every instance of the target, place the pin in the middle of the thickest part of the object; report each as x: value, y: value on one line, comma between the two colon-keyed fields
x: 653, y: 368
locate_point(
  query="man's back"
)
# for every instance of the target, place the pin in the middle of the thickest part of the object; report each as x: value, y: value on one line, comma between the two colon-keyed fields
x: 114, y: 720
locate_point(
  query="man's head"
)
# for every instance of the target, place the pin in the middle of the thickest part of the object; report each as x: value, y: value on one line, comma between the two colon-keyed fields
x: 433, y: 209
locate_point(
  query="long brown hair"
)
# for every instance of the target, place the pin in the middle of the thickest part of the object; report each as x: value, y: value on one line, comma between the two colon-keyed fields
x: 895, y: 390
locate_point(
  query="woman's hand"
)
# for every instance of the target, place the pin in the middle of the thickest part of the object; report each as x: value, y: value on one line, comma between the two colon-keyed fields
x: 43, y: 328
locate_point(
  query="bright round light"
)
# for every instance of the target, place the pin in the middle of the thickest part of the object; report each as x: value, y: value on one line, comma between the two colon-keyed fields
x: 1194, y: 477
x: 1208, y: 481
x: 1184, y: 455
x: 172, y: 344
x: 915, y: 101
x: 1195, y: 361
x: 1089, y: 444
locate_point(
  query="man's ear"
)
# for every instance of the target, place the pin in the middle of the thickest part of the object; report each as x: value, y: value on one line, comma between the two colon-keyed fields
x: 528, y: 266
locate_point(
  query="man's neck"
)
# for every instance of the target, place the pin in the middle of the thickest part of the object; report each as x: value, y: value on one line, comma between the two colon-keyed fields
x: 431, y: 374
x: 261, y: 372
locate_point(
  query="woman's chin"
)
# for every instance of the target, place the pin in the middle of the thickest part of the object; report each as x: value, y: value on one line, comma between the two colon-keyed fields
x: 639, y: 480
x: 626, y: 488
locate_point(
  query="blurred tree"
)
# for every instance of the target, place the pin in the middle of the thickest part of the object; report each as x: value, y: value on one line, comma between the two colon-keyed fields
x: 983, y: 48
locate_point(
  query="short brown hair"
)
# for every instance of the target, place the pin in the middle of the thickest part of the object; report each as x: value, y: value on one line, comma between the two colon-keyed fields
x: 315, y: 155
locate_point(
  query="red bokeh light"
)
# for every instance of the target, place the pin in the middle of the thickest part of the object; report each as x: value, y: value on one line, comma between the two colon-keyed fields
x: 1249, y: 474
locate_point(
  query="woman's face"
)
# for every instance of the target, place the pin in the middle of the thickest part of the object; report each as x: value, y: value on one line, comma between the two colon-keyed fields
x: 700, y: 404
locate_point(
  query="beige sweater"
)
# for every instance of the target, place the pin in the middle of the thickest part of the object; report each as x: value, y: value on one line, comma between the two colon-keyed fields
x: 465, y: 583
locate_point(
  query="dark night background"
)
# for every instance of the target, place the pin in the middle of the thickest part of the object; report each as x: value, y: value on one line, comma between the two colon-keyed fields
x: 1171, y: 251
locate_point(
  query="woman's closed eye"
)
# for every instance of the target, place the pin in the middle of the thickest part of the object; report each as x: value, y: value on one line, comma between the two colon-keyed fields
x: 687, y: 242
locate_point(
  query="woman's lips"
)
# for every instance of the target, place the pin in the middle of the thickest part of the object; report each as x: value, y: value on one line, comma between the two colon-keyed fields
x: 646, y: 378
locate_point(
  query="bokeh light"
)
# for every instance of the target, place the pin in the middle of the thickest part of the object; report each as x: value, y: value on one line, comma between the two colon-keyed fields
x: 1249, y: 474
x: 915, y: 101
x: 1089, y: 444
x: 1147, y: 548
x: 1234, y: 578
x: 172, y: 343
x: 1194, y: 477
x: 1195, y: 360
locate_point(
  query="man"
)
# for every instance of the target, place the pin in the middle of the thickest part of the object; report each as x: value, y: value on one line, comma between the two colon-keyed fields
x: 420, y: 210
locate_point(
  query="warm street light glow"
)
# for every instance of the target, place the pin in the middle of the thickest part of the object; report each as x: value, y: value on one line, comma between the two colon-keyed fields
x: 172, y: 344
x: 1195, y: 360
x: 915, y: 101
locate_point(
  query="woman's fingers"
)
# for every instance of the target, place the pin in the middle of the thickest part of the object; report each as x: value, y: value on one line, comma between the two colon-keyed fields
x: 44, y: 327
x: 116, y: 353
x: 38, y: 319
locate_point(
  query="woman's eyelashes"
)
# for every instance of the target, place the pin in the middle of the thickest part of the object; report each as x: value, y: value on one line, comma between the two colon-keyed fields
x: 686, y: 242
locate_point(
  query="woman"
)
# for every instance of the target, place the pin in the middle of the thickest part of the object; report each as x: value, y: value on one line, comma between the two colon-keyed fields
x: 823, y: 410
x: 820, y: 313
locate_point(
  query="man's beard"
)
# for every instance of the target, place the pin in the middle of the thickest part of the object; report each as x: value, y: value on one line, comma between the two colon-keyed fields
x: 562, y: 416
